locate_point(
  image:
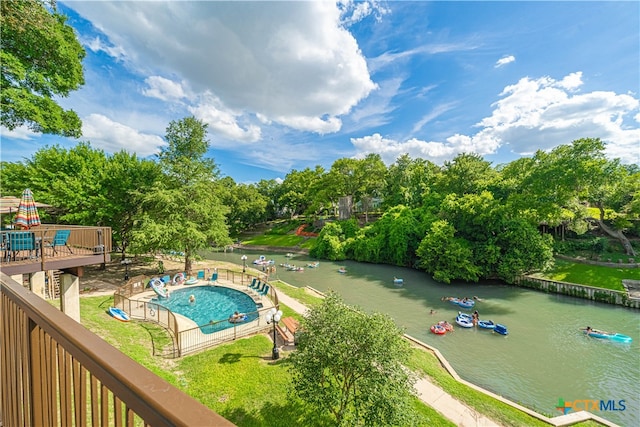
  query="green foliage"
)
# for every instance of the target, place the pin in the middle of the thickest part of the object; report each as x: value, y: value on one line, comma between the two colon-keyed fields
x: 445, y: 256
x: 349, y: 365
x: 247, y: 206
x: 183, y: 212
x: 41, y: 59
x: 329, y: 244
x: 393, y: 239
x: 86, y: 186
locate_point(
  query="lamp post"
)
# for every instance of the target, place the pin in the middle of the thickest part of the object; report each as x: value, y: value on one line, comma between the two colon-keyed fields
x: 274, y: 316
x: 126, y: 263
x: 244, y: 263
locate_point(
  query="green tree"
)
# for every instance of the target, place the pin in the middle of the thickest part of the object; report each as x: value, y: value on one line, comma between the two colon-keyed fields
x: 183, y: 212
x: 329, y: 244
x: 295, y: 190
x: 408, y: 180
x: 86, y: 186
x: 351, y: 365
x: 41, y: 59
x: 270, y: 190
x: 446, y: 256
x: 466, y: 174
x: 247, y: 206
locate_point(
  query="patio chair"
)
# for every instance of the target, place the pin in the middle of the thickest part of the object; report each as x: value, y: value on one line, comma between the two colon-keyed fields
x: 264, y: 285
x: 264, y: 291
x: 59, y: 240
x: 200, y: 275
x: 22, y: 241
x: 256, y: 286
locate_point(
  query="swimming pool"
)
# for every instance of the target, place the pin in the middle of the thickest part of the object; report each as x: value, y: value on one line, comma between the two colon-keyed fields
x: 212, y: 303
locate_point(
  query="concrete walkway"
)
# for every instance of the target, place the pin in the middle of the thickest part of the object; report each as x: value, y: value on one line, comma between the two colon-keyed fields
x: 432, y: 395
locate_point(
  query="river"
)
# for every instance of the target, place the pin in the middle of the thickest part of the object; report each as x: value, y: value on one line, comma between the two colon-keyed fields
x: 543, y: 359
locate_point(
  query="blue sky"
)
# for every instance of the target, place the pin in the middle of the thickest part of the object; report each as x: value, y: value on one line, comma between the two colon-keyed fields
x: 289, y: 85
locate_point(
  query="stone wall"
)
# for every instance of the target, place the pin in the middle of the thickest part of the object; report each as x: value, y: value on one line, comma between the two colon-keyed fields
x: 588, y: 292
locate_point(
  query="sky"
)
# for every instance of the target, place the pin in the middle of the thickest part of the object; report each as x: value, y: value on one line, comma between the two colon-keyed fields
x: 294, y: 84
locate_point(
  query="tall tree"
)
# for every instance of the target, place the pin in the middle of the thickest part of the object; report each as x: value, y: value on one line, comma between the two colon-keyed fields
x: 41, y: 59
x: 408, y: 181
x: 351, y: 365
x: 466, y: 174
x: 246, y: 205
x: 295, y: 190
x: 184, y: 212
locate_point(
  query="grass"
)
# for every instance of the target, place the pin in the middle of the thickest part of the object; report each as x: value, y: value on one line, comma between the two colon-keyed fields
x: 590, y: 275
x: 274, y: 240
x: 238, y: 380
x: 427, y: 364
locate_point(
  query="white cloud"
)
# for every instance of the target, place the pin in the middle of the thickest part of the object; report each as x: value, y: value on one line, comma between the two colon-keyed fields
x: 290, y: 62
x: 110, y: 136
x: 531, y: 115
x: 434, y: 113
x: 164, y: 89
x: 223, y: 121
x: 435, y: 151
x: 505, y: 60
x: 21, y: 132
x: 96, y: 44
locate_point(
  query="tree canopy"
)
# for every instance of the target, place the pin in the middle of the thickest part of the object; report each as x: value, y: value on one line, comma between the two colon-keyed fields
x: 351, y: 365
x: 41, y: 59
x: 183, y: 212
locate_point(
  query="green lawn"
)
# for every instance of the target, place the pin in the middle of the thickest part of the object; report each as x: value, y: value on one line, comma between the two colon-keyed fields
x: 241, y: 382
x: 590, y: 275
x: 274, y: 240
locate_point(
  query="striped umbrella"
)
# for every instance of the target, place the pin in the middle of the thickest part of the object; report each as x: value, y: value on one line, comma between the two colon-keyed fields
x: 27, y: 216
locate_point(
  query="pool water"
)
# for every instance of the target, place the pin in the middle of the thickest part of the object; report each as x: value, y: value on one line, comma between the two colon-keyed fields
x: 212, y: 307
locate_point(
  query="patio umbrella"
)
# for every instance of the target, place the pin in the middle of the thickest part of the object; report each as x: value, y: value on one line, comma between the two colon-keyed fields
x: 27, y: 216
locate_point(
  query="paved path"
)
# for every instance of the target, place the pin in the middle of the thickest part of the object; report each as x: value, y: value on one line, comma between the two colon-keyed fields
x: 428, y: 392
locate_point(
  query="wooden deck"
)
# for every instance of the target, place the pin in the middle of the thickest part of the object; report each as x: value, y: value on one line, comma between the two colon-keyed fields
x: 85, y: 246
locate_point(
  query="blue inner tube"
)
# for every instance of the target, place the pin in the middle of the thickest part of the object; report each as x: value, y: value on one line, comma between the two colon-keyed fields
x: 486, y: 324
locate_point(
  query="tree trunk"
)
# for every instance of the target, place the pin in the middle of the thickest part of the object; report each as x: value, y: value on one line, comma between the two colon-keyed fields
x: 616, y: 234
x: 187, y: 263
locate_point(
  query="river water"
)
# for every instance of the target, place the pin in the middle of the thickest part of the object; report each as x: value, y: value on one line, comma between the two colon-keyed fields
x: 543, y: 359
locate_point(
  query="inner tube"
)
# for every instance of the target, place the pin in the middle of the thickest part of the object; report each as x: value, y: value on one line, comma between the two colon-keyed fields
x: 178, y: 278
x: 438, y: 329
x: 448, y: 326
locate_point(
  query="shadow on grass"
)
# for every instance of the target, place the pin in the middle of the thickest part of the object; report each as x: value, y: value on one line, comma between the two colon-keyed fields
x: 292, y: 413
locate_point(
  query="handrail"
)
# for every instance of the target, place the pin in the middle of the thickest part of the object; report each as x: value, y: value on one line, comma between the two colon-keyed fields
x: 52, y: 367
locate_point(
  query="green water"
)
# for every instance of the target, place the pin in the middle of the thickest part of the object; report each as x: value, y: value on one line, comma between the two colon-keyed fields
x: 543, y: 358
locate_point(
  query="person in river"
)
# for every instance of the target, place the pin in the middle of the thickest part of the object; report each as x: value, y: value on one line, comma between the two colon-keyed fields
x: 475, y: 318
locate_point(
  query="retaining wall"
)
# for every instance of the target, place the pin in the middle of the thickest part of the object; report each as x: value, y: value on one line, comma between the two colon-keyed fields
x: 588, y: 292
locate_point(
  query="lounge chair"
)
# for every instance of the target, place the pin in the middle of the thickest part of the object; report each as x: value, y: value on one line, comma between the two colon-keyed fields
x: 257, y: 285
x: 260, y: 288
x: 264, y: 291
x: 253, y: 283
x: 59, y: 240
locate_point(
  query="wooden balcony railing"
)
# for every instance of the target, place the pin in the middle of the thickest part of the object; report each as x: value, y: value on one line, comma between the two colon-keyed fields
x: 37, y: 249
x: 55, y: 372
